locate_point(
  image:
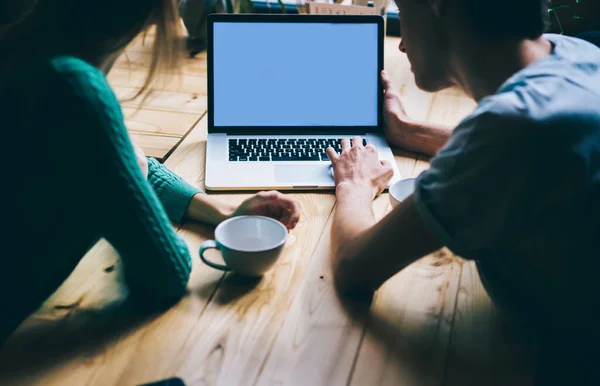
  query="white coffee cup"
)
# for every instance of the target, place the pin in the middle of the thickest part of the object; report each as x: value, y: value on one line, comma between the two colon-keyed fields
x: 401, y: 190
x: 250, y: 245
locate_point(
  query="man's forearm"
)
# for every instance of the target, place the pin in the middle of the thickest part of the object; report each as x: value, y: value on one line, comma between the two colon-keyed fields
x: 353, y: 216
x: 420, y: 137
x: 352, y: 219
x: 366, y: 253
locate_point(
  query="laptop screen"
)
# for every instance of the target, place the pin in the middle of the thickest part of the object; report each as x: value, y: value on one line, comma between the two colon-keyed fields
x: 274, y: 74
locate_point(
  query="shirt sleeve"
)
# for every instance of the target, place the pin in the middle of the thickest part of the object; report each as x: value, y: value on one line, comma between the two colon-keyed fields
x: 127, y: 211
x: 172, y: 191
x: 475, y: 192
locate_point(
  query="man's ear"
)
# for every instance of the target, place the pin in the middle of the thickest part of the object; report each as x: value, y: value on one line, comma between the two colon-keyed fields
x: 438, y: 6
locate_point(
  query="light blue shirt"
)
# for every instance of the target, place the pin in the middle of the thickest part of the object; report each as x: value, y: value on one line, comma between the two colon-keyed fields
x: 517, y: 189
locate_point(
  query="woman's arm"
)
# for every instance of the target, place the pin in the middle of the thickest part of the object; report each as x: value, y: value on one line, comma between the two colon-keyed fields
x: 184, y: 201
x: 206, y: 209
x: 174, y: 193
x: 123, y: 206
x: 276, y: 205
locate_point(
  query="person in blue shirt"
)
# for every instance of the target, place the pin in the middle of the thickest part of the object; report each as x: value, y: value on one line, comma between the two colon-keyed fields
x: 514, y: 187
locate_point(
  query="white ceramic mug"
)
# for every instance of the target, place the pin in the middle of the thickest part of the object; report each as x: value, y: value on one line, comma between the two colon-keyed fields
x: 250, y: 245
x: 401, y: 190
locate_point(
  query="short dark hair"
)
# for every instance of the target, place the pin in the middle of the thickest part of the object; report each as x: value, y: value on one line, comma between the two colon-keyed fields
x: 525, y: 19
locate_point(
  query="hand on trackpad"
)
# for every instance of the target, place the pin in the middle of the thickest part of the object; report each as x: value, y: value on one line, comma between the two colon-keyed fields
x: 309, y: 175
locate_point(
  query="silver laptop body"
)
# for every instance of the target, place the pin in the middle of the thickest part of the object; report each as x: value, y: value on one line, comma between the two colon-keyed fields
x: 281, y: 89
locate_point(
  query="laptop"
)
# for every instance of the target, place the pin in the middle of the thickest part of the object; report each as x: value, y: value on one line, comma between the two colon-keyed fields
x: 281, y: 89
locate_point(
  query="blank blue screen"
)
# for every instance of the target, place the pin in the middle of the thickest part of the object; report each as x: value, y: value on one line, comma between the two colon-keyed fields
x: 295, y: 74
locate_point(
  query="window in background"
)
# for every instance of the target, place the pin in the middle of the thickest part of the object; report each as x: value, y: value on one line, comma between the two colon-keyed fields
x: 391, y: 8
x: 273, y: 6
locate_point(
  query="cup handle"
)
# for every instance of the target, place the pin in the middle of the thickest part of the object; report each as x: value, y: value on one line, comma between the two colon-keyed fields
x: 211, y: 244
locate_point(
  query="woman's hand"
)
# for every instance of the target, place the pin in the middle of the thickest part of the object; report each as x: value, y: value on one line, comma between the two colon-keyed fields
x: 141, y: 159
x: 272, y: 204
x: 358, y: 170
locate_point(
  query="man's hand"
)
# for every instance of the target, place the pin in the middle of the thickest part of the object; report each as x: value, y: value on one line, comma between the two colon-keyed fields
x: 395, y: 116
x: 272, y: 204
x: 397, y: 124
x: 359, y: 170
x: 405, y: 133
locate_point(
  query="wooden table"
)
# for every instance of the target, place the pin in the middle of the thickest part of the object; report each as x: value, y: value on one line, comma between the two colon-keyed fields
x: 432, y: 324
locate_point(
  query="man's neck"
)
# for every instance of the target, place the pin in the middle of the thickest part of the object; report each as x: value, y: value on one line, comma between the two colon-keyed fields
x: 481, y: 71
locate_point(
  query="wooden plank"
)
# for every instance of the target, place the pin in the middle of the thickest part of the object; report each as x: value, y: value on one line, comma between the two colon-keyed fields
x: 166, y: 115
x: 450, y: 108
x: 157, y: 146
x: 409, y: 329
x: 421, y: 165
x: 485, y: 349
x: 154, y: 122
x: 79, y: 349
x: 133, y: 59
x: 147, y: 354
x: 189, y: 160
x: 392, y: 54
x: 318, y: 342
x: 232, y: 339
x: 144, y: 41
x: 406, y: 162
x: 192, y: 84
x: 65, y: 334
x: 181, y: 102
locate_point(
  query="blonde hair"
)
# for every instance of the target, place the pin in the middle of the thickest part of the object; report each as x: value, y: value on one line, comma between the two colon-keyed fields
x: 90, y: 30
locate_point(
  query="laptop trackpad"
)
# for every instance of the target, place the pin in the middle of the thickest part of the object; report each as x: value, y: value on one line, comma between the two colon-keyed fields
x: 301, y: 175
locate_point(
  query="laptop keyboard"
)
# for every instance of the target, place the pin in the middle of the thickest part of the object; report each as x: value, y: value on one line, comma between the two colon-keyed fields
x: 283, y: 149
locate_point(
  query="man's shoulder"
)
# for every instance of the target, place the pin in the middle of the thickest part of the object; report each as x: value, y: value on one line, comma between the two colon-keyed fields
x: 540, y: 108
x: 563, y: 87
x: 571, y: 70
x: 574, y: 48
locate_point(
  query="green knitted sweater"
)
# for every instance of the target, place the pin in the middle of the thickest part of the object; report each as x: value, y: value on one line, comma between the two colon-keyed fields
x: 73, y: 179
